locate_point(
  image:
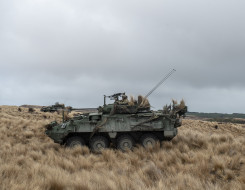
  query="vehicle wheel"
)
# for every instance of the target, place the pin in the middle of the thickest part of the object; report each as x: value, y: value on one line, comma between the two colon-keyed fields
x: 98, y: 143
x: 75, y: 141
x: 148, y: 140
x: 125, y: 142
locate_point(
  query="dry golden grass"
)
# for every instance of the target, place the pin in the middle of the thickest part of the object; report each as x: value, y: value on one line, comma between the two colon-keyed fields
x: 200, y: 157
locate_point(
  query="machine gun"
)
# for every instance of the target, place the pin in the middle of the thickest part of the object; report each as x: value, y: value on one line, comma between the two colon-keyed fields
x: 113, y: 97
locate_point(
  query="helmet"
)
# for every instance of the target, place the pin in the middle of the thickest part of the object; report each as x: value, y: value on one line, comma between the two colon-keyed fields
x: 124, y: 97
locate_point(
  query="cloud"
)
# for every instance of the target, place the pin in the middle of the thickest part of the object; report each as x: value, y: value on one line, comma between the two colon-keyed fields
x: 77, y: 51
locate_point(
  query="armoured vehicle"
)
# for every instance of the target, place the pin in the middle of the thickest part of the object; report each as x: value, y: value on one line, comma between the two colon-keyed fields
x: 122, y: 123
x: 55, y: 107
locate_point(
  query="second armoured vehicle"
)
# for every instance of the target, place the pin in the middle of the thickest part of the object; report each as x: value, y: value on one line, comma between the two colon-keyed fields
x: 56, y: 107
x: 123, y: 123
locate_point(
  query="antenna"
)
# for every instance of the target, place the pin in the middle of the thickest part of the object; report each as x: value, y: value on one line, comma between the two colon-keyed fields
x: 162, y: 81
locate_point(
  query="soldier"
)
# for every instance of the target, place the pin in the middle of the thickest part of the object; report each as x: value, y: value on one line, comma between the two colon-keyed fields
x: 116, y: 99
x: 124, y: 100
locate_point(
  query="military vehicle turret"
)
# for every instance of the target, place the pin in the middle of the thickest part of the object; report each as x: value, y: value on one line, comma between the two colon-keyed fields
x: 122, y: 123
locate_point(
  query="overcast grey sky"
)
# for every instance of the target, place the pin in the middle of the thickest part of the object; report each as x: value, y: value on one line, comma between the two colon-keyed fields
x: 76, y: 51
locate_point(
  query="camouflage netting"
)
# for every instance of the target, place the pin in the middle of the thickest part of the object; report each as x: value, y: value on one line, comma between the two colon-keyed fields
x: 133, y: 106
x: 175, y: 107
x: 145, y: 103
x: 142, y: 101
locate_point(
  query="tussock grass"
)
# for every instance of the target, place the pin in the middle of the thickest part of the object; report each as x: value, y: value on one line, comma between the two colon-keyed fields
x: 200, y: 157
x: 141, y: 102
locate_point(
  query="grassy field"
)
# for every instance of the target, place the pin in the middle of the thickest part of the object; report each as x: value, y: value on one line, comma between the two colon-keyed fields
x: 204, y: 155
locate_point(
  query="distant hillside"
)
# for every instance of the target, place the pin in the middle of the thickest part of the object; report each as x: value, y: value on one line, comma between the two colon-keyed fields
x: 219, y: 117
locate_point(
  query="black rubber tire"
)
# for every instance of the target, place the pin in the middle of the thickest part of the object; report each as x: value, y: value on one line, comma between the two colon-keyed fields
x: 148, y: 140
x: 75, y: 141
x: 98, y: 143
x: 125, y: 142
